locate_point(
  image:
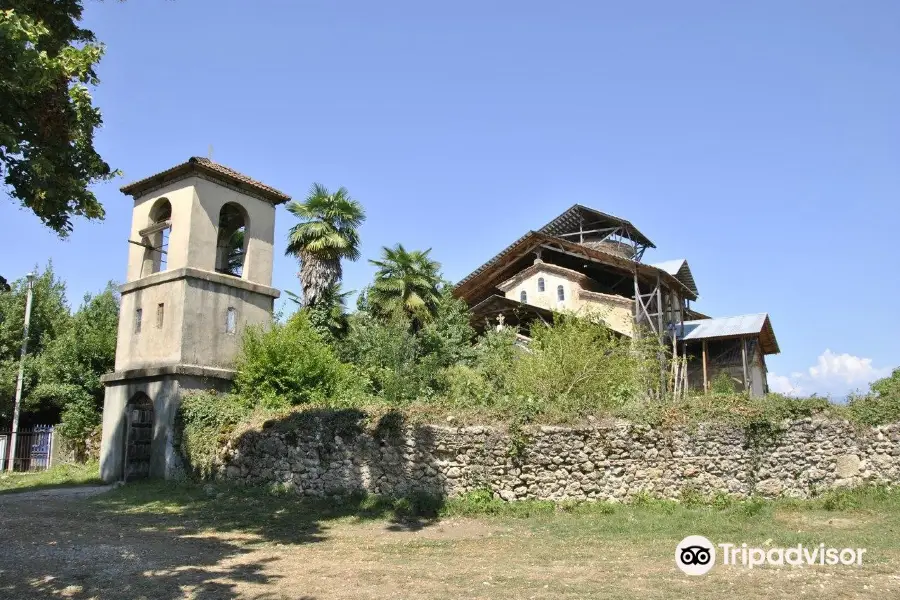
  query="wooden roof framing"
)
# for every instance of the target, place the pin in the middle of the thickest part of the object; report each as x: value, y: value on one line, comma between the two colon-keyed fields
x: 581, y: 219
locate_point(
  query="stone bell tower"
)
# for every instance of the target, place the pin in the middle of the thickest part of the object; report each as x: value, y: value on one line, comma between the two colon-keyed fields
x: 199, y: 271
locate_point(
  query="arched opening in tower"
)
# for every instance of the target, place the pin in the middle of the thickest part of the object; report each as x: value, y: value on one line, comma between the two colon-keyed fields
x: 231, y: 248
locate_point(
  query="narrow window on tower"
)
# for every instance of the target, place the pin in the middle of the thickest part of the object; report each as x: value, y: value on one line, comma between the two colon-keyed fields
x: 230, y: 320
x: 160, y: 314
x: 137, y: 320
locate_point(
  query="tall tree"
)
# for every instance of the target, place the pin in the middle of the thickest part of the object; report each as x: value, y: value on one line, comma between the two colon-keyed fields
x: 50, y: 318
x: 328, y: 316
x: 47, y: 117
x: 70, y: 366
x: 407, y: 282
x: 328, y: 233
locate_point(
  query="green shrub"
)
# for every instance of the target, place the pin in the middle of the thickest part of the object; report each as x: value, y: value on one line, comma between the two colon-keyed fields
x: 840, y: 500
x: 465, y: 386
x: 875, y: 409
x: 722, y: 384
x: 289, y: 364
x: 691, y: 497
x: 80, y: 419
x: 205, y: 419
x: 388, y: 354
x: 495, y: 353
x: 887, y: 387
x: 752, y: 506
x: 580, y: 366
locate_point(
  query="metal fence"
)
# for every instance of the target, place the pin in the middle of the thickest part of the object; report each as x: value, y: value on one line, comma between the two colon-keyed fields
x: 33, y: 451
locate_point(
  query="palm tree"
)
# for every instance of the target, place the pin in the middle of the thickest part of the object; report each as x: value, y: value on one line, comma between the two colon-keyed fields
x: 327, y: 233
x: 329, y: 314
x: 406, y: 282
x: 235, y: 253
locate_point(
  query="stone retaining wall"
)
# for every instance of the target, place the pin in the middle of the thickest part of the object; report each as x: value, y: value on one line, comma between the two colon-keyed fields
x: 607, y: 460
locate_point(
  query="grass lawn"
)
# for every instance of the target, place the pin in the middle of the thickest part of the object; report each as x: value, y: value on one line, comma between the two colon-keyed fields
x: 159, y: 540
x: 57, y: 476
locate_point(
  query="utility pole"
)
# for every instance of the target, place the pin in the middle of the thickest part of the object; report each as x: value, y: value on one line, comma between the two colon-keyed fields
x: 15, y: 424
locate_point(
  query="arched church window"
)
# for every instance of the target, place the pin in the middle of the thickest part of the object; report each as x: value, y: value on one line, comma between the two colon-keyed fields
x: 523, y: 297
x: 560, y: 293
x: 231, y: 247
x: 540, y: 284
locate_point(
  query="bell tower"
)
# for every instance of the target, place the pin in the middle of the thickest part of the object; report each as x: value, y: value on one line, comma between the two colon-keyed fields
x: 199, y: 272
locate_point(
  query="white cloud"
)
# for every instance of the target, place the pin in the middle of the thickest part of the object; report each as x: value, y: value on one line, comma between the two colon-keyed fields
x: 834, y: 375
x: 782, y: 384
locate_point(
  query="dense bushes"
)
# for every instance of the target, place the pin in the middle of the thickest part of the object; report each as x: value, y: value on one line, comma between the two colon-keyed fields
x: 289, y: 364
x: 403, y: 361
x: 882, y: 405
x: 579, y: 362
x: 67, y: 354
x: 569, y: 370
x: 204, y: 419
x: 439, y: 371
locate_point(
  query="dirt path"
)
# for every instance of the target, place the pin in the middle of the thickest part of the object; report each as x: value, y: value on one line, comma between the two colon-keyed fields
x: 66, y: 545
x: 64, y: 493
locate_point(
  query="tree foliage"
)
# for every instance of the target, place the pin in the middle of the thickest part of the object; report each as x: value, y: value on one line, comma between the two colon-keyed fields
x: 406, y: 282
x: 579, y: 360
x: 327, y: 233
x: 888, y: 387
x: 67, y: 354
x: 70, y: 367
x: 288, y: 364
x: 50, y: 318
x: 328, y: 316
x: 402, y: 363
x: 47, y: 116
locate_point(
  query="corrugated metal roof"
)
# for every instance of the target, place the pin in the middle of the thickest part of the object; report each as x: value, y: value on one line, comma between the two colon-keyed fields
x: 730, y: 327
x: 679, y: 269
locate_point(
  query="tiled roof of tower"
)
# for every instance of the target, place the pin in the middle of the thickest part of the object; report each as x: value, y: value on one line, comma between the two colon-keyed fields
x: 213, y: 170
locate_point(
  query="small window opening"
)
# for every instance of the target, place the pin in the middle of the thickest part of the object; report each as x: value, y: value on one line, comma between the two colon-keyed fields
x: 138, y: 315
x: 560, y: 293
x: 230, y: 320
x: 164, y: 249
x: 231, y: 248
x: 155, y: 237
x: 523, y: 297
x: 160, y: 314
x: 540, y: 284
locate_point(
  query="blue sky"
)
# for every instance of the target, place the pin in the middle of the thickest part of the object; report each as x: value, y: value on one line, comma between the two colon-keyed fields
x: 761, y: 141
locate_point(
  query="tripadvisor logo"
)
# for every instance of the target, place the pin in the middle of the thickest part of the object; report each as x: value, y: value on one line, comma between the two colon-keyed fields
x: 696, y: 555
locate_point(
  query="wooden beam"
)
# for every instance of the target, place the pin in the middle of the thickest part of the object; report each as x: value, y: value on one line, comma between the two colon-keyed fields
x: 705, y: 376
x: 659, y: 307
x: 744, y: 360
x: 637, y: 305
x: 580, y: 233
x: 147, y: 246
x: 155, y: 228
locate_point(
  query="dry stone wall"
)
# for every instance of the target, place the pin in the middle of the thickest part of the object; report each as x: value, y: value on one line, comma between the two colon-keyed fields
x: 606, y: 460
